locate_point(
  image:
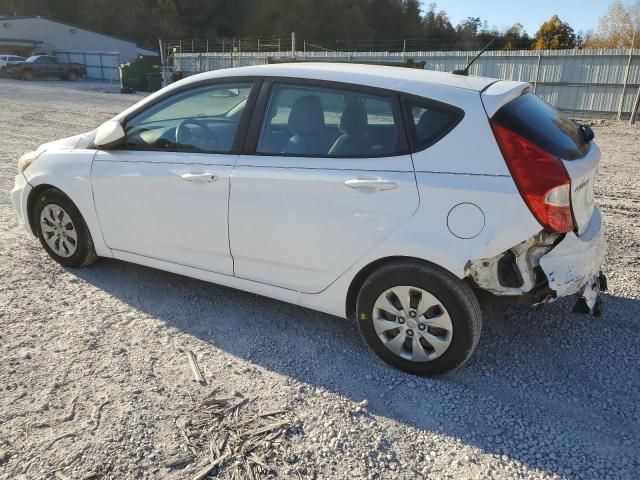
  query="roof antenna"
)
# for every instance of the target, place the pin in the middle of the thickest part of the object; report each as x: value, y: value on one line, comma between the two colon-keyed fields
x: 465, y: 71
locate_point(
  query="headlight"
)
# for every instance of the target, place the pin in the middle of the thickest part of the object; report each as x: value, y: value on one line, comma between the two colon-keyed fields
x: 26, y: 160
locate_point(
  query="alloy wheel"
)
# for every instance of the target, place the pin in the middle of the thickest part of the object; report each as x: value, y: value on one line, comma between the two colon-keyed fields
x: 58, y: 230
x: 412, y: 323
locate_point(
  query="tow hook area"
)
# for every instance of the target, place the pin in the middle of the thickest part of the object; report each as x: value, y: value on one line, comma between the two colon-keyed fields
x: 589, y: 300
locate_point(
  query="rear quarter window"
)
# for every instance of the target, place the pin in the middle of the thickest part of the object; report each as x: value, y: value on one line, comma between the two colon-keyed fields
x: 428, y: 121
x: 534, y: 119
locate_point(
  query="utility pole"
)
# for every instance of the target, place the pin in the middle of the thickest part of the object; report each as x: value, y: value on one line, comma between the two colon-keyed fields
x: 293, y: 45
x: 626, y: 76
x: 634, y: 110
x: 162, y: 60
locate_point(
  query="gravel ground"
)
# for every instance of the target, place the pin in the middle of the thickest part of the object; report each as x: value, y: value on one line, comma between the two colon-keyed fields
x: 95, y: 379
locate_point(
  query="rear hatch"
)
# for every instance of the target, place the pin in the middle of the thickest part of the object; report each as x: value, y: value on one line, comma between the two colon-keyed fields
x: 550, y: 130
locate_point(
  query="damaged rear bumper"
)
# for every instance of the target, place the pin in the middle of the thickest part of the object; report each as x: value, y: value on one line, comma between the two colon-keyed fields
x: 573, y: 265
x: 549, y: 266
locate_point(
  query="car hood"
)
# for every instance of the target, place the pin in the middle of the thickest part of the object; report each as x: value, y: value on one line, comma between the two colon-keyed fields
x: 83, y: 140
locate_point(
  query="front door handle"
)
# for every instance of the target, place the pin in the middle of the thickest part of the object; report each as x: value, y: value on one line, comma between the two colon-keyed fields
x: 200, y: 177
x: 371, y: 184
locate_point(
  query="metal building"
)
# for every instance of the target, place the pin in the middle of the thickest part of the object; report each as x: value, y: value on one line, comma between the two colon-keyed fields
x: 101, y: 53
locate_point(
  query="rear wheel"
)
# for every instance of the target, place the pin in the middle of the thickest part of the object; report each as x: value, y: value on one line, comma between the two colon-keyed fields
x: 62, y: 231
x: 72, y: 75
x: 419, y: 318
x: 27, y: 75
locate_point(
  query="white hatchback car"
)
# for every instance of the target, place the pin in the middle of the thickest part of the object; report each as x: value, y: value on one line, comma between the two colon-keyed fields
x: 387, y: 194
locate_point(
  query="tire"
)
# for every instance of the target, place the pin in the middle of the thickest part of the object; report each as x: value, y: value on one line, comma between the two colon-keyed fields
x: 448, y: 331
x: 27, y: 75
x: 49, y: 204
x: 72, y: 75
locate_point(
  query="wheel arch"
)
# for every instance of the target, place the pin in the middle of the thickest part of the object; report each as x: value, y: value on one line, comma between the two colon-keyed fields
x: 92, y: 224
x: 360, y: 277
x: 33, y: 194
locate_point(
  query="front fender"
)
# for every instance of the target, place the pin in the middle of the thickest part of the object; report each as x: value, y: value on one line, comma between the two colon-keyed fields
x: 70, y: 172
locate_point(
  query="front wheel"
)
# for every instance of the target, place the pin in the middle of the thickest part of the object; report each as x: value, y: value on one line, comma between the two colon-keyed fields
x: 419, y: 318
x: 27, y: 75
x: 61, y: 229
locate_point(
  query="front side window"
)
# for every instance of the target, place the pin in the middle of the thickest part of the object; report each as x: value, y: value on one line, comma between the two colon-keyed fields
x: 327, y: 122
x: 429, y: 121
x: 201, y: 120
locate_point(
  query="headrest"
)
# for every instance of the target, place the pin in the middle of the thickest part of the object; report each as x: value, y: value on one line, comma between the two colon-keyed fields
x: 431, y: 122
x: 306, y: 117
x: 354, y: 118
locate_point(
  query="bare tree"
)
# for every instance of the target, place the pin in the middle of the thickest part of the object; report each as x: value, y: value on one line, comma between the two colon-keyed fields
x: 618, y: 28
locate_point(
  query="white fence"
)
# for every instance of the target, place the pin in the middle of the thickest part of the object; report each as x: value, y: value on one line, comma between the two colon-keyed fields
x: 101, y: 66
x: 585, y: 83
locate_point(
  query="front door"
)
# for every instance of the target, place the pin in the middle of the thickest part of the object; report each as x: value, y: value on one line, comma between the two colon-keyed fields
x: 165, y: 193
x: 329, y: 179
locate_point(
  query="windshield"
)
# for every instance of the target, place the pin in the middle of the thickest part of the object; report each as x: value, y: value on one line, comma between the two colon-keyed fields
x: 32, y: 59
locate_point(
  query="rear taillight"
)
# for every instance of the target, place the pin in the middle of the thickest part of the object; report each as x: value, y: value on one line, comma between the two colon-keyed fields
x: 540, y: 177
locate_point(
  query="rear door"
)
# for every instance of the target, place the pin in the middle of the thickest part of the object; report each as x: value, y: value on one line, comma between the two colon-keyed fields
x: 325, y: 176
x: 537, y: 121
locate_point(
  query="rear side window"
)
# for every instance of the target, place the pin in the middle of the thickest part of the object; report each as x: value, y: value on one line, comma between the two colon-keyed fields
x: 428, y: 121
x: 304, y: 120
x: 534, y: 119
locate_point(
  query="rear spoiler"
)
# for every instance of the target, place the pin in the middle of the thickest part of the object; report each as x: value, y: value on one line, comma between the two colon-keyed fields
x: 500, y: 93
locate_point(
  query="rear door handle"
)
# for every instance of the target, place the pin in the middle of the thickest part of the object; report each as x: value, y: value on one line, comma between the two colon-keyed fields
x: 371, y: 184
x: 200, y: 177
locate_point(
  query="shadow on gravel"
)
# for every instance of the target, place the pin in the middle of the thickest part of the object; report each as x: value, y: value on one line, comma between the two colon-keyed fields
x: 553, y: 390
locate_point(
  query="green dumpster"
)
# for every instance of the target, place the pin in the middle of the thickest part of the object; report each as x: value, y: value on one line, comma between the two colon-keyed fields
x: 154, y: 81
x: 135, y: 75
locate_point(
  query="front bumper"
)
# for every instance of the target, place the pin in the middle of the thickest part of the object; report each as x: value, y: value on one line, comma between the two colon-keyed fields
x: 573, y: 265
x: 19, y: 198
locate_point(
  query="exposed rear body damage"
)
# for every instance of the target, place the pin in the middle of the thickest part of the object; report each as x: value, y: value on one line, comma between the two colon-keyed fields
x: 554, y: 165
x: 573, y: 266
x: 547, y: 266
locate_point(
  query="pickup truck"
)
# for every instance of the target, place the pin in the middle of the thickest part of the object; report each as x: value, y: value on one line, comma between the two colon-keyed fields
x: 44, y: 66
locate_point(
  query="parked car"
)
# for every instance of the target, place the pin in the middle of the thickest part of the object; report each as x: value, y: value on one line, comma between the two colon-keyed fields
x: 385, y: 194
x: 44, y: 66
x: 5, y: 59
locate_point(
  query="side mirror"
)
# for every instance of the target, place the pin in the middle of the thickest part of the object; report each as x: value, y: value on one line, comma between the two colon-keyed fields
x: 110, y: 134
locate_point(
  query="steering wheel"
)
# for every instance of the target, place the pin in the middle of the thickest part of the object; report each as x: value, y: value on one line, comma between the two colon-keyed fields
x: 184, y: 135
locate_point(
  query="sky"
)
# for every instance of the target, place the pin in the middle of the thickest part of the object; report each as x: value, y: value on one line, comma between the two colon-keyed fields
x: 580, y: 14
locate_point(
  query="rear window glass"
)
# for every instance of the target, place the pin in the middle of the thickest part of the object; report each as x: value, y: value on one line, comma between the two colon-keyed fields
x: 534, y: 119
x: 429, y: 121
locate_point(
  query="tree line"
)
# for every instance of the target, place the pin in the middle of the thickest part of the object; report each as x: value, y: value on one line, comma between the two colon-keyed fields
x: 325, y: 24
